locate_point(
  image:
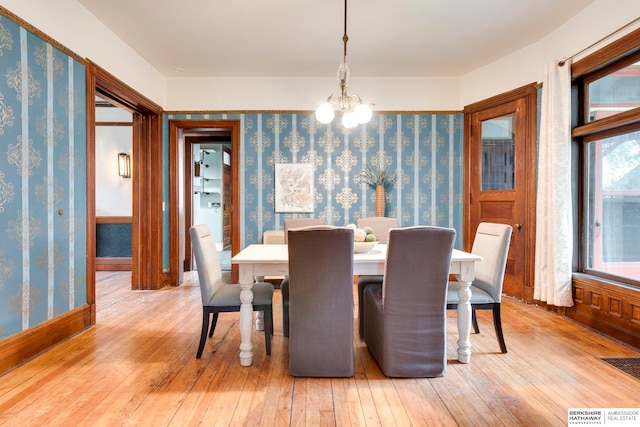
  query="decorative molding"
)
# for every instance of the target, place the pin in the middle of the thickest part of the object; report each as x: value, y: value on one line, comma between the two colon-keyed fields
x: 114, y: 220
x: 183, y: 112
x: 608, y: 307
x: 27, y: 344
x: 113, y: 263
x: 15, y: 18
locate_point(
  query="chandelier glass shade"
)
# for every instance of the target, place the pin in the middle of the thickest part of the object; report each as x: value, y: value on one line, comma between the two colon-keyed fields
x: 354, y: 110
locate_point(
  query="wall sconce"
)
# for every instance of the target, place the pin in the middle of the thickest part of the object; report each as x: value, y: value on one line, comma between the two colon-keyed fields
x: 124, y: 165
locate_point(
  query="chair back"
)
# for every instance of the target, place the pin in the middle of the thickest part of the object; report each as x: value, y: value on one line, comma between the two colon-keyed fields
x: 414, y: 293
x: 492, y: 243
x: 321, y: 308
x: 299, y: 222
x: 207, y: 262
x: 380, y: 225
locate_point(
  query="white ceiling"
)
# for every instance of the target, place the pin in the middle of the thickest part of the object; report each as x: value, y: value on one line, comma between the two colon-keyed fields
x: 303, y: 38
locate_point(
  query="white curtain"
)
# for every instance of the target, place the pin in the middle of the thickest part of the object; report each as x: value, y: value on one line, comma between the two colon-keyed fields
x: 554, y: 223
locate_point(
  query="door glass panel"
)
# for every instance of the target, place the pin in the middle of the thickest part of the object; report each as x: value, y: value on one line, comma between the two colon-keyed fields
x: 498, y: 149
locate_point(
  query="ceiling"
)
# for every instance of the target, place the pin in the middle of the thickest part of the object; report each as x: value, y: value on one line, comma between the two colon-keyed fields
x: 303, y: 38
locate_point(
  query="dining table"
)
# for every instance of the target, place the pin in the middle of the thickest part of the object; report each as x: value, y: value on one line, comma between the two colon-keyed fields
x: 259, y: 260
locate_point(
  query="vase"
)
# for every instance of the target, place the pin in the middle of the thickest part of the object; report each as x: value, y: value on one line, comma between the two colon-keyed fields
x: 379, y: 200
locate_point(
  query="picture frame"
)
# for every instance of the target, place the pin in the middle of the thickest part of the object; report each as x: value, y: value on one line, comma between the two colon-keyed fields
x: 294, y: 187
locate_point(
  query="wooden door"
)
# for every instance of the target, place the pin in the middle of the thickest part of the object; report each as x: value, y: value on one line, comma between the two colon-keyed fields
x: 501, y: 181
x: 226, y: 196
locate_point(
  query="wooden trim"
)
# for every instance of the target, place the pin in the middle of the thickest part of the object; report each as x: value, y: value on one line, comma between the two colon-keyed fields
x: 91, y: 191
x: 113, y: 263
x: 112, y: 124
x: 312, y: 112
x: 114, y: 219
x: 188, y: 171
x: 121, y: 94
x: 624, y: 46
x: 36, y: 32
x: 530, y: 95
x: 147, y: 215
x: 166, y: 279
x: 615, y: 124
x: 23, y: 346
x: 609, y: 307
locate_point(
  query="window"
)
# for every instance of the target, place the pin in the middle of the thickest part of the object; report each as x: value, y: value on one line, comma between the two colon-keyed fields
x: 608, y: 137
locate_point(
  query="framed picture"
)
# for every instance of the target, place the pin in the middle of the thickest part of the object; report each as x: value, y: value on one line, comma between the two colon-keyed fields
x: 294, y: 187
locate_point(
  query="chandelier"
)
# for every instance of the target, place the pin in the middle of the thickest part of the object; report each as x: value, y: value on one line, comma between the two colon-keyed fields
x: 354, y: 110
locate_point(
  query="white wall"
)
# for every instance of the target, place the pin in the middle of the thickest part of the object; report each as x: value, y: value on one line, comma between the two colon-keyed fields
x: 114, y: 195
x: 246, y: 93
x: 78, y: 30
x: 527, y: 65
x: 522, y: 67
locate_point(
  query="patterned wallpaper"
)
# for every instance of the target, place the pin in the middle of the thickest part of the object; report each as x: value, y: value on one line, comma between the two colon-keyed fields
x: 42, y: 180
x: 424, y: 150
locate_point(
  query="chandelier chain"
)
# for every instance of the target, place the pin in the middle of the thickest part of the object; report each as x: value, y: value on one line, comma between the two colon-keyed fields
x: 353, y: 109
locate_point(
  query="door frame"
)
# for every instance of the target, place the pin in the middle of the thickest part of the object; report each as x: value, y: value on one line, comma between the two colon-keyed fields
x: 146, y: 256
x: 177, y: 174
x: 529, y: 93
x: 189, y: 166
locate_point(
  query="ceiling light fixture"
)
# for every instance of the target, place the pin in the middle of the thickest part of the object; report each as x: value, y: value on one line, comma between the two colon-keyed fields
x: 354, y: 110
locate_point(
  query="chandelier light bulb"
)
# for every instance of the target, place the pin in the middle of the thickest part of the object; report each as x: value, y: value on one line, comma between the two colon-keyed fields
x: 325, y: 113
x: 363, y: 113
x: 349, y: 119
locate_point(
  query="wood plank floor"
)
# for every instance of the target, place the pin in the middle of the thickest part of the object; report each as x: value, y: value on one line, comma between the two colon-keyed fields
x: 137, y: 366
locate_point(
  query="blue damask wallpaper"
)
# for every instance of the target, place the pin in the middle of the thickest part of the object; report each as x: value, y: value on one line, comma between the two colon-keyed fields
x: 42, y: 180
x: 424, y: 150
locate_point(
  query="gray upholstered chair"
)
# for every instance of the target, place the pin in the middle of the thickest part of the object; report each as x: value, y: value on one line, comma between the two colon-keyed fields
x: 218, y: 297
x: 321, y: 301
x: 284, y: 286
x: 405, y: 319
x: 492, y: 243
x: 381, y: 226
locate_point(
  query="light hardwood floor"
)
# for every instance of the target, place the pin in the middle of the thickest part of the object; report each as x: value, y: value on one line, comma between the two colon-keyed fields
x: 137, y: 366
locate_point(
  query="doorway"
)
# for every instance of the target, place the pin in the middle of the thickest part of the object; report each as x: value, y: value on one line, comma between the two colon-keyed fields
x: 146, y: 156
x: 500, y: 178
x: 180, y: 190
x: 207, y: 189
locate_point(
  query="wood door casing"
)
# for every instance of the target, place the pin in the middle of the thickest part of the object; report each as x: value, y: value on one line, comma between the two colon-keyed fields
x: 146, y: 269
x: 515, y: 206
x: 227, y: 205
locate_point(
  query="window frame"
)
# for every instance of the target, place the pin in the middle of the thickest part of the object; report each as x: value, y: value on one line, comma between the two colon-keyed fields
x: 617, y: 55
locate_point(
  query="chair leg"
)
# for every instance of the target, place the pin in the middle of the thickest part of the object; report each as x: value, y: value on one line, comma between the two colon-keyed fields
x: 203, y: 334
x: 268, y: 328
x: 497, y: 324
x: 213, y: 324
x: 474, y: 321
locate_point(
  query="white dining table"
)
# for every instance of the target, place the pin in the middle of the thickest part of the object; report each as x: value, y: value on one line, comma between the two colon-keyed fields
x: 259, y: 260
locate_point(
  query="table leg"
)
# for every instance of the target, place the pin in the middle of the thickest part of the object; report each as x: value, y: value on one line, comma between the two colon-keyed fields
x: 246, y: 314
x: 464, y: 322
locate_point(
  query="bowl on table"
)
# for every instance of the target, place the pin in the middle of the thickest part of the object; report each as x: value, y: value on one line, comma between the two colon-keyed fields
x: 362, y: 247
